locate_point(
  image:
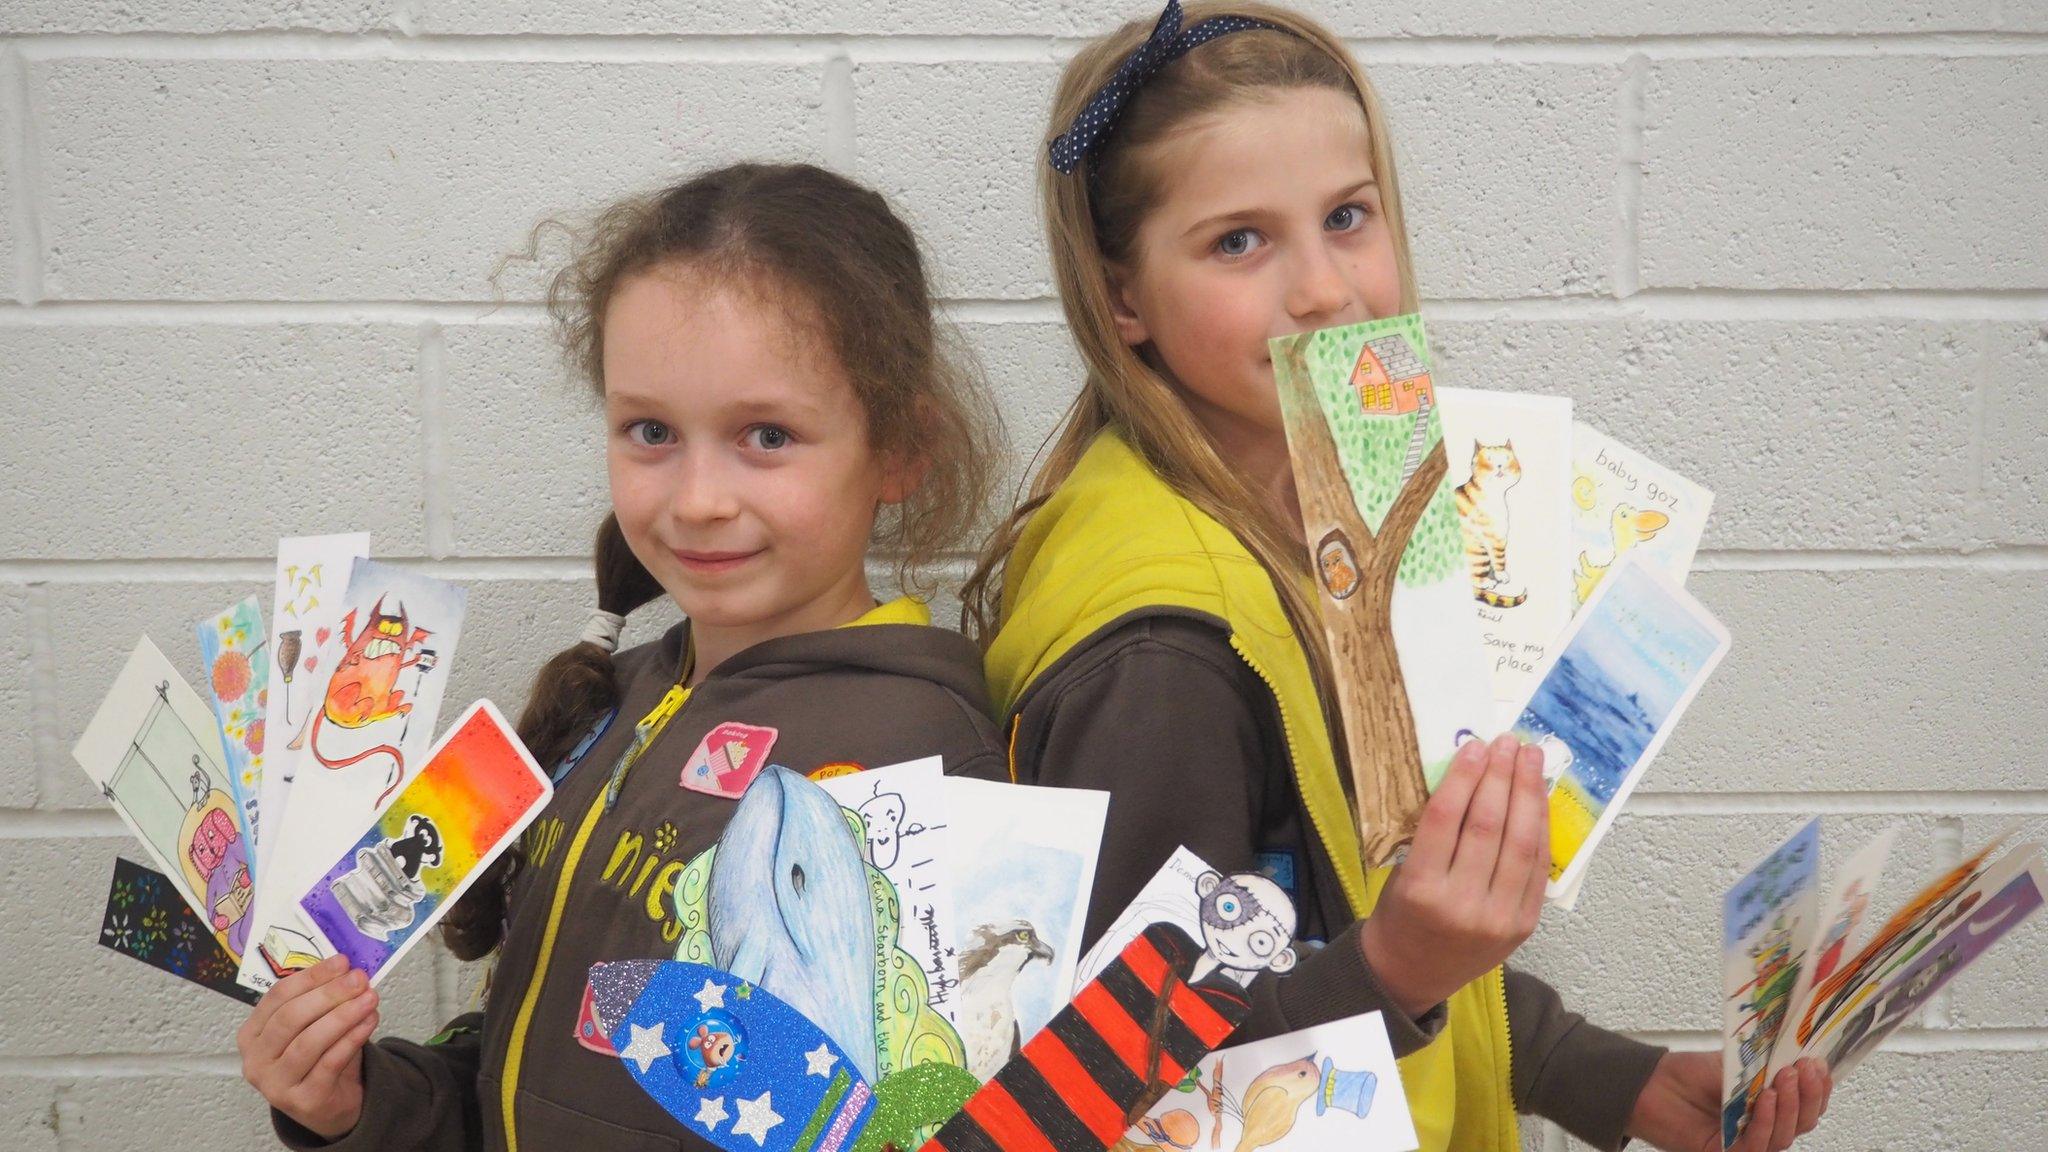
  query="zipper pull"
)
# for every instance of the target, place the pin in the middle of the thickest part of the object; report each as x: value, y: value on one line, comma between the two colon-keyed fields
x: 644, y: 733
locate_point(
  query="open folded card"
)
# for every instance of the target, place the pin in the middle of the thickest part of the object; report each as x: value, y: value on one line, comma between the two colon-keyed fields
x: 1388, y: 550
x: 1790, y: 994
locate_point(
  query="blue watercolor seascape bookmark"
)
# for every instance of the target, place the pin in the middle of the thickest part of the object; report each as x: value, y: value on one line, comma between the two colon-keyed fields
x: 1623, y: 673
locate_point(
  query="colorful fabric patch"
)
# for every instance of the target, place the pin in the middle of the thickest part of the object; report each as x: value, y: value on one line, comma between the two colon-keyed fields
x: 728, y: 759
x: 836, y: 769
x: 589, y: 1032
x: 607, y: 996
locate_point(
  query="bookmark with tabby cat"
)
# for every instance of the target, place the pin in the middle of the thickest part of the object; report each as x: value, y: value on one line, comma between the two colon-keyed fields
x: 1510, y: 463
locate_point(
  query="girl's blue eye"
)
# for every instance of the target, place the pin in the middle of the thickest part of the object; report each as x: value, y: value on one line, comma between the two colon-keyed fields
x: 650, y: 433
x: 1346, y: 218
x: 769, y: 438
x: 1237, y: 243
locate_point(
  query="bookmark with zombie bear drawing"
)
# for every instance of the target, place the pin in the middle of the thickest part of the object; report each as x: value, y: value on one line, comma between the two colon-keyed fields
x: 478, y: 792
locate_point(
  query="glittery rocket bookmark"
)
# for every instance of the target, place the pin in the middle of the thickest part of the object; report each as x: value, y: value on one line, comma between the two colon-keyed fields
x: 732, y: 1063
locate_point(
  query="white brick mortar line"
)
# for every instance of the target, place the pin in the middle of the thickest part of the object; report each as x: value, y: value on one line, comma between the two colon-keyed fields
x: 1628, y: 178
x: 944, y: 48
x: 432, y: 381
x: 113, y: 1065
x: 1945, y: 803
x: 842, y: 147
x: 1674, y: 305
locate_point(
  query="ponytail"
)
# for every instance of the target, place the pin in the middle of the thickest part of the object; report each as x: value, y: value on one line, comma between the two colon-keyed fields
x: 570, y: 693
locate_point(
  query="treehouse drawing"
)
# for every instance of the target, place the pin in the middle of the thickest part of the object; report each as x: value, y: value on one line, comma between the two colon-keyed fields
x: 1391, y: 379
x: 1366, y: 444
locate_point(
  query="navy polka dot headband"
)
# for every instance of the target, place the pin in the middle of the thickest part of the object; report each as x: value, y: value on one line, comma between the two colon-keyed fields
x: 1169, y: 42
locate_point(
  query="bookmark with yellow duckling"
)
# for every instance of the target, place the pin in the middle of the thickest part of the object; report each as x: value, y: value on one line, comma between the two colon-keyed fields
x: 1621, y: 502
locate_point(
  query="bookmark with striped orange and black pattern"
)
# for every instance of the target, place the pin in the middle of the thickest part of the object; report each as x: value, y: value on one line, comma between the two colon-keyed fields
x: 1107, y: 1057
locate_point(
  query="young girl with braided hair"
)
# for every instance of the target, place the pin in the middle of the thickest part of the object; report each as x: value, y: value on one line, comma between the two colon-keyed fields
x: 778, y: 401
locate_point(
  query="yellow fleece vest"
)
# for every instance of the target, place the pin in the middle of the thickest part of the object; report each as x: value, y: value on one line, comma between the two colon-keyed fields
x: 1115, y: 538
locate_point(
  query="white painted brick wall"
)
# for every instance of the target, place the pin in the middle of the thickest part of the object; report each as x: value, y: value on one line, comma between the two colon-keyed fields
x: 1796, y: 250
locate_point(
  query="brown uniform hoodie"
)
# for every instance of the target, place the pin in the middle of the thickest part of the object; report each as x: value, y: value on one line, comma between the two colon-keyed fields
x: 599, y: 882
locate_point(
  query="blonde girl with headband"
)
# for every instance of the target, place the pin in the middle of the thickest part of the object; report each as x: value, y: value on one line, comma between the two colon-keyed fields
x: 1212, y: 180
x: 778, y: 401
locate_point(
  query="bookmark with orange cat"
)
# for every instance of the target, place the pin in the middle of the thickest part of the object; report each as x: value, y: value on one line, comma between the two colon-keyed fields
x: 1510, y: 464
